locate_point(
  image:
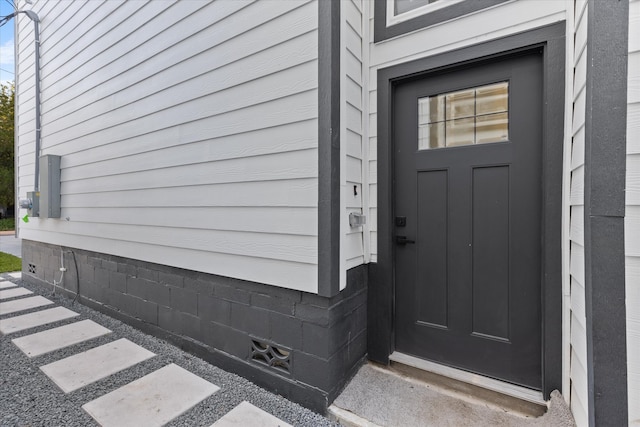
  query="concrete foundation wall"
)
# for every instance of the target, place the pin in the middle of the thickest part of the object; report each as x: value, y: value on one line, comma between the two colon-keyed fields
x: 297, y: 344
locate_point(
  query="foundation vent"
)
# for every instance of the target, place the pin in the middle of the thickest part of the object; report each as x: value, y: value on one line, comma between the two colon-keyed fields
x: 269, y: 355
x: 32, y: 268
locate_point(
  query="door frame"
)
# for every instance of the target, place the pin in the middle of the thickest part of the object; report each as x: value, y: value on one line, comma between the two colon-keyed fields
x: 381, y: 291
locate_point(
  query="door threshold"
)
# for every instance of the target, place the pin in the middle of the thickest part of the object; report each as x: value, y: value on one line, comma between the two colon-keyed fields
x: 497, y: 386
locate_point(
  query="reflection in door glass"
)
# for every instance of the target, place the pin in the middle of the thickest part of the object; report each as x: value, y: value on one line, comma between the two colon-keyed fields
x: 473, y: 116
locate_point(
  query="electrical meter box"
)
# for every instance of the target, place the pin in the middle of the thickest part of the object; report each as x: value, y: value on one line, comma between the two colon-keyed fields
x: 31, y: 203
x: 50, y: 186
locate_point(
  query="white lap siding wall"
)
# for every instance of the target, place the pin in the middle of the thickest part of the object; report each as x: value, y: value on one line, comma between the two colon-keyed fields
x: 354, y: 195
x: 578, y: 338
x: 188, y: 132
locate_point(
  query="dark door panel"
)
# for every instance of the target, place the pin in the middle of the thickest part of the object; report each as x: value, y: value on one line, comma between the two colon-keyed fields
x: 468, y: 292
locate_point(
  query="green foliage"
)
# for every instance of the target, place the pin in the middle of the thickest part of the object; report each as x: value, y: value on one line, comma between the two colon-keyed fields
x: 7, y: 97
x: 9, y: 263
x: 7, y: 224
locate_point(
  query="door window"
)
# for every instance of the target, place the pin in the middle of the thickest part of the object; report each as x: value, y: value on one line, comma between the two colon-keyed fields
x: 477, y: 115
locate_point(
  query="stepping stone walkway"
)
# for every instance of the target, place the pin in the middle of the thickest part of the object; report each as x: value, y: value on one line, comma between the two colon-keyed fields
x: 130, y: 405
x: 152, y: 400
x: 54, y: 339
x: 6, y: 284
x: 245, y: 414
x: 23, y: 304
x: 79, y: 370
x: 32, y: 320
x: 15, y: 292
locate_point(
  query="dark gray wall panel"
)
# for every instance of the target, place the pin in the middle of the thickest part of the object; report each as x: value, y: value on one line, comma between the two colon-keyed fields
x: 604, y: 203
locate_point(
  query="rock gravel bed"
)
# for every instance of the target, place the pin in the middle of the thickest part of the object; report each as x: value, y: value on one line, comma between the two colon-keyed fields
x: 29, y: 398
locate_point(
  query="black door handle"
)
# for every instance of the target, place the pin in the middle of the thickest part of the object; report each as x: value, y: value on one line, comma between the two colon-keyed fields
x: 402, y: 240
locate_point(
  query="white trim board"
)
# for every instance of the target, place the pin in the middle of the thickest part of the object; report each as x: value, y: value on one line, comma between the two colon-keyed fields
x: 470, y: 378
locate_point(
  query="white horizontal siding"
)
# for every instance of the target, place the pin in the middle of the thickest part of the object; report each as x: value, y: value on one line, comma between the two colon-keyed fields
x: 288, y: 165
x: 187, y: 130
x: 262, y: 270
x: 578, y: 398
x: 632, y: 218
x: 632, y: 278
x: 352, y: 113
x: 278, y: 220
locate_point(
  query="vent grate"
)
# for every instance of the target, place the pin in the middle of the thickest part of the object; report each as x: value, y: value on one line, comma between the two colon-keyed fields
x: 269, y: 355
x: 32, y: 268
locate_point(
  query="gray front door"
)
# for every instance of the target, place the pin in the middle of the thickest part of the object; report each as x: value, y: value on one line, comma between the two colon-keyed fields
x: 467, y: 217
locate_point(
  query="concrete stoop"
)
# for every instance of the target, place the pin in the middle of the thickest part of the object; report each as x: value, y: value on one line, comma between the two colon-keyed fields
x: 390, y: 396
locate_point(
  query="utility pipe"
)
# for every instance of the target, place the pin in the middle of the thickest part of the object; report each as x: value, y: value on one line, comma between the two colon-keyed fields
x: 36, y: 24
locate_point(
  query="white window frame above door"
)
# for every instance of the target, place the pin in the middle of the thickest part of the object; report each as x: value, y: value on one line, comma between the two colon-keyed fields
x: 393, y: 19
x: 388, y: 25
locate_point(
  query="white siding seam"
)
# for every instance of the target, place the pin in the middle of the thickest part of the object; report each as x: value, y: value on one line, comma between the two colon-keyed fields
x: 77, y: 34
x: 50, y: 22
x: 123, y: 35
x: 208, y: 47
x: 182, y: 164
x: 355, y: 54
x: 176, y: 145
x: 190, y: 142
x: 61, y: 82
x: 181, y: 123
x: 224, y: 251
x: 577, y: 21
x: 186, y: 101
x: 186, y: 79
x: 576, y: 95
x: 355, y: 82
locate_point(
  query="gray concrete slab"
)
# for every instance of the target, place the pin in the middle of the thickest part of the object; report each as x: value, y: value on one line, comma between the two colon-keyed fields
x: 15, y: 292
x: 23, y: 304
x: 63, y: 336
x: 245, y: 414
x: 11, y: 245
x: 16, y: 274
x: 32, y: 320
x: 79, y: 370
x: 152, y: 400
x: 382, y: 397
x: 5, y: 284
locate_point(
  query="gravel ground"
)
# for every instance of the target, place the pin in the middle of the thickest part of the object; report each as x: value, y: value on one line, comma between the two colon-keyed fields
x: 30, y: 398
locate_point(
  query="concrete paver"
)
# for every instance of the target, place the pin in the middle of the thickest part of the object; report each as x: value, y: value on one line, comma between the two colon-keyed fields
x: 23, y: 304
x: 79, y: 370
x: 246, y: 414
x: 38, y: 318
x: 12, y: 293
x: 63, y: 336
x: 152, y: 400
x: 16, y: 274
x: 5, y: 284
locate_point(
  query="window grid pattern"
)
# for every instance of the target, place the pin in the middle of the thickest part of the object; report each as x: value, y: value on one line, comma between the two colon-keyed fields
x: 473, y: 116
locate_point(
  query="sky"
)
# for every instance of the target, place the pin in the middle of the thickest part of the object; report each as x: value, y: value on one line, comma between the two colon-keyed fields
x: 6, y: 44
